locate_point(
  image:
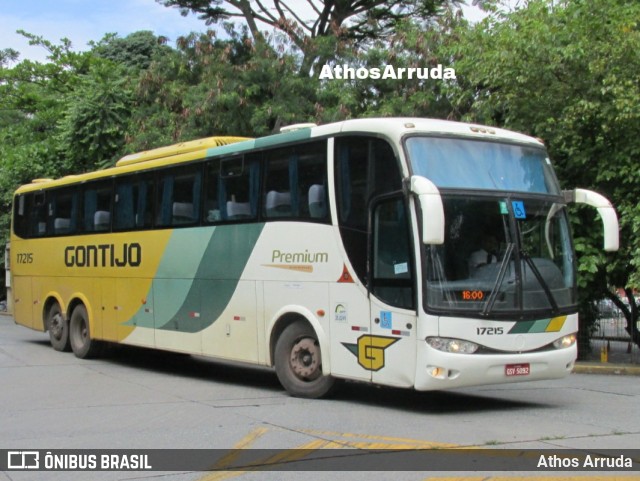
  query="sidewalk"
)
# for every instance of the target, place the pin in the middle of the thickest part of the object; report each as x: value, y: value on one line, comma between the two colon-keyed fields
x: 592, y: 367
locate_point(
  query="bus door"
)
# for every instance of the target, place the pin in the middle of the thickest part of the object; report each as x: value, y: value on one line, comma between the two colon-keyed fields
x: 392, y: 344
x: 373, y: 330
x: 374, y: 314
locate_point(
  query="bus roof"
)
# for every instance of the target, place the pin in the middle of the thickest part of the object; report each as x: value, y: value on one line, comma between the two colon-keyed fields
x: 393, y: 128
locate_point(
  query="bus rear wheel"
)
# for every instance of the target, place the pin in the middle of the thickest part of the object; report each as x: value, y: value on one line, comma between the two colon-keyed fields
x: 80, y: 335
x: 58, y: 328
x: 298, y: 362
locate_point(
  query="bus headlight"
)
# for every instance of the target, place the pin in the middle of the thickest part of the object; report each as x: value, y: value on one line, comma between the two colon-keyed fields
x: 446, y: 344
x: 564, y: 342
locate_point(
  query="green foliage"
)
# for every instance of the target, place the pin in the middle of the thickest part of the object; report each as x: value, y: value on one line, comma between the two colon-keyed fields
x: 223, y: 87
x: 92, y: 130
x: 135, y: 51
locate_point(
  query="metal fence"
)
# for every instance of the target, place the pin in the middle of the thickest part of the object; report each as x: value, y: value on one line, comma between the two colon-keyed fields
x: 610, y: 341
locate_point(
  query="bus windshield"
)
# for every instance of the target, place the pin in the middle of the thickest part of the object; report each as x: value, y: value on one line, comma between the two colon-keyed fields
x: 502, y: 256
x: 506, y: 252
x: 474, y: 164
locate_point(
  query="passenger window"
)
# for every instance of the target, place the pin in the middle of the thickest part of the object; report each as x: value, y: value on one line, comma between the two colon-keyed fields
x: 62, y: 212
x: 30, y: 215
x: 295, y: 183
x: 212, y: 200
x: 39, y: 214
x: 237, y: 189
x: 96, y: 211
x: 281, y: 190
x: 179, y: 196
x: 134, y: 202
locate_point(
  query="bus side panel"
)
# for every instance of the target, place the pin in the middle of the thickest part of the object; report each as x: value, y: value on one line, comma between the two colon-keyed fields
x: 108, y: 309
x: 23, y: 301
x: 135, y: 301
x: 137, y: 328
x: 234, y: 333
x: 178, y: 321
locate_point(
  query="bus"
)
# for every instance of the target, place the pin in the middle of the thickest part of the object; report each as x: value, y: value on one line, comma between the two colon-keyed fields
x: 343, y: 251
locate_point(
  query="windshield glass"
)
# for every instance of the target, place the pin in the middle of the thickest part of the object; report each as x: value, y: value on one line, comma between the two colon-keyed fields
x: 501, y: 255
x: 476, y: 164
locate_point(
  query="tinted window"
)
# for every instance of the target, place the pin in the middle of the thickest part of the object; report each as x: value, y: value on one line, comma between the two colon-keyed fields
x: 392, y: 265
x: 295, y: 183
x: 96, y: 209
x: 179, y: 196
x: 62, y: 211
x: 236, y: 186
x: 134, y: 202
x: 365, y: 168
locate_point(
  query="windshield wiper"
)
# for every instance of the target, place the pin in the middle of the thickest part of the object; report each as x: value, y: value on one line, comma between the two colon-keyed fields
x: 493, y: 296
x: 545, y: 287
x: 438, y: 269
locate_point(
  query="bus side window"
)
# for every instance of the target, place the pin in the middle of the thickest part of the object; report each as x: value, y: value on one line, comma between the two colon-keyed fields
x: 179, y: 196
x: 37, y: 213
x: 26, y: 214
x: 282, y: 198
x: 62, y: 211
x: 238, y: 188
x: 96, y: 210
x: 295, y: 182
x: 312, y: 182
x: 134, y: 202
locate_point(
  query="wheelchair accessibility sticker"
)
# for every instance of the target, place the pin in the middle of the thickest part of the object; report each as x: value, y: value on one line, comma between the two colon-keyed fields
x: 518, y: 209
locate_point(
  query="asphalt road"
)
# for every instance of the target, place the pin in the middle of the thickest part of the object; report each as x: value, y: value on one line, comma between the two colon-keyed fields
x: 141, y: 399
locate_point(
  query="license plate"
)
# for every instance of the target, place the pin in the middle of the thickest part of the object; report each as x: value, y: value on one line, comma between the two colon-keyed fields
x: 517, y: 369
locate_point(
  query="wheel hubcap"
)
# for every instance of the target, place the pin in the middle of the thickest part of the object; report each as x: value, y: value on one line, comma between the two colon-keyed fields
x: 56, y: 326
x: 305, y: 359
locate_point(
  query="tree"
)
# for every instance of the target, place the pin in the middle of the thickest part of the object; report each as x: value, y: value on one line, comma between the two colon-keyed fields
x: 209, y: 87
x: 319, y: 26
x: 135, y: 51
x: 92, y: 131
x: 567, y: 71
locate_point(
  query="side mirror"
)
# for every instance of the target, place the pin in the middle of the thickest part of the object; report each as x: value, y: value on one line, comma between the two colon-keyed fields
x: 432, y: 209
x: 606, y: 211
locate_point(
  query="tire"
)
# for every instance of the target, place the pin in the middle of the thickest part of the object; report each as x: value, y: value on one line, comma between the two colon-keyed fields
x: 298, y: 362
x: 58, y: 328
x: 80, y: 335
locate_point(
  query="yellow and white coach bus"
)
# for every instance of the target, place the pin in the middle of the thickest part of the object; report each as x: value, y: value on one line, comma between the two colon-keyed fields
x: 404, y: 252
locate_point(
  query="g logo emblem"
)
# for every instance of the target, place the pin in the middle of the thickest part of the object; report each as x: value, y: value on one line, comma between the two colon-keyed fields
x: 370, y: 350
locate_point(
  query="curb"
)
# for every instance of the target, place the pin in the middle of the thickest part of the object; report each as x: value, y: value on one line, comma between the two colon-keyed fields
x: 606, y: 368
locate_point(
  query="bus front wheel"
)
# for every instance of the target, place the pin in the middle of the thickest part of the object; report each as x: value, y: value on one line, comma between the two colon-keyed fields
x: 58, y: 328
x: 298, y: 362
x: 80, y: 336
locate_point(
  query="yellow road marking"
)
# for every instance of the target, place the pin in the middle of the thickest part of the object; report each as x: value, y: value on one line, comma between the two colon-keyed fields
x: 392, y: 442
x: 244, y: 443
x: 287, y: 455
x: 341, y: 440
